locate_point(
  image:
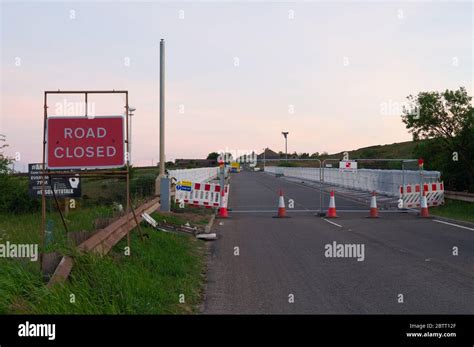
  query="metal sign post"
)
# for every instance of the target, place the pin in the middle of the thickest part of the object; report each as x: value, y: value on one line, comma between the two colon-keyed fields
x: 422, y: 188
x: 95, y: 157
x: 222, y: 172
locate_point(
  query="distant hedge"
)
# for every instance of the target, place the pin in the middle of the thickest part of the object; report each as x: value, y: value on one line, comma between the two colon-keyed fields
x: 288, y: 164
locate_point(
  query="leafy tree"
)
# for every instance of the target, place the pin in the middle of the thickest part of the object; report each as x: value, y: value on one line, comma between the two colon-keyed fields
x: 4, y: 161
x: 212, y: 156
x: 304, y: 155
x: 444, y: 121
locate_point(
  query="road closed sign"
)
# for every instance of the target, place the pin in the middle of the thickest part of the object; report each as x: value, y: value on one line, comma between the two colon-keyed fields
x: 76, y: 143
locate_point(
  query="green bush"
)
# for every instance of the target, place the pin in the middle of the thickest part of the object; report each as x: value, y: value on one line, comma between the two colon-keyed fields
x: 14, y: 197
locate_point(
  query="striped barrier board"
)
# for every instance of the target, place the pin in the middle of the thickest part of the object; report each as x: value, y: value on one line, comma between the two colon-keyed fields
x: 410, y: 194
x: 201, y: 194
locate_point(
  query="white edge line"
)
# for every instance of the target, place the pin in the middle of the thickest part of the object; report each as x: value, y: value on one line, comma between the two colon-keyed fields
x: 291, y: 210
x: 340, y: 226
x: 454, y: 225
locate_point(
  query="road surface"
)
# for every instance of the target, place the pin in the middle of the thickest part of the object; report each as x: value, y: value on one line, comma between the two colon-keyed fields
x: 262, y: 264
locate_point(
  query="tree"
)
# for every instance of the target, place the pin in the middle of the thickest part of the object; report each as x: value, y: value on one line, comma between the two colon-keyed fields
x: 212, y: 156
x: 443, y: 126
x: 4, y: 161
x: 304, y: 155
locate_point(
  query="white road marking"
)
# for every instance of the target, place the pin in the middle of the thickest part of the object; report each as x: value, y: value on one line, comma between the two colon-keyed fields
x: 454, y: 225
x: 340, y: 226
x: 270, y: 211
x: 293, y: 210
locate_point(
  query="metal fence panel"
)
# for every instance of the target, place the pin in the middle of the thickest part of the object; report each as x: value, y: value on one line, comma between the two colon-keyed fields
x: 198, y: 175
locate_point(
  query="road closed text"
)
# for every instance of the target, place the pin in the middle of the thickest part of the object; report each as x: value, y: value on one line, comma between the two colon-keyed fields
x: 84, y: 143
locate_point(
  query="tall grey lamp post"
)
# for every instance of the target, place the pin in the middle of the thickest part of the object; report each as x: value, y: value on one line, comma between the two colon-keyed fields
x: 162, y: 108
x: 285, y: 134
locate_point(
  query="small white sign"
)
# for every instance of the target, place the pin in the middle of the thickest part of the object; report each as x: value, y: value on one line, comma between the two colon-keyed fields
x: 347, y: 166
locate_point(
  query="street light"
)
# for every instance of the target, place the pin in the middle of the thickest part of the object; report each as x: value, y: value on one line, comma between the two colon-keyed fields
x: 285, y: 134
x: 130, y: 114
x: 264, y: 150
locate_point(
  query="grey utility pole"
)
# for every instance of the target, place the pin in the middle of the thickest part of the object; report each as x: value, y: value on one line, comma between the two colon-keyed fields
x: 162, y: 186
x: 264, y: 150
x: 162, y: 108
x: 285, y: 134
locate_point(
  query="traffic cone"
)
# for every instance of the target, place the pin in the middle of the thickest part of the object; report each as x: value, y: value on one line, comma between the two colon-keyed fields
x: 424, y: 207
x: 374, y: 212
x: 223, y: 206
x: 332, y: 207
x: 281, y: 207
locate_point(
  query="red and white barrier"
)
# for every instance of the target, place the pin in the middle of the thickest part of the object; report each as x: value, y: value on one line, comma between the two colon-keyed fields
x: 201, y: 194
x: 410, y: 194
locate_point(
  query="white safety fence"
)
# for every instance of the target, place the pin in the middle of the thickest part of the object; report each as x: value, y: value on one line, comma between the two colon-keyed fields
x: 198, y: 175
x: 382, y: 181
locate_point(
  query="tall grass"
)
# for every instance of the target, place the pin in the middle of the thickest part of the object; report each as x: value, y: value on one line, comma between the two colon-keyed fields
x: 150, y: 281
x: 26, y: 228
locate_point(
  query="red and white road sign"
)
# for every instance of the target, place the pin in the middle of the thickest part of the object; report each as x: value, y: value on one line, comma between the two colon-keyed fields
x: 420, y: 163
x: 347, y: 166
x: 76, y: 143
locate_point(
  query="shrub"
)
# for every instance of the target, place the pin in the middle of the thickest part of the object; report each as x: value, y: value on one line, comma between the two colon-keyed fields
x: 14, y: 197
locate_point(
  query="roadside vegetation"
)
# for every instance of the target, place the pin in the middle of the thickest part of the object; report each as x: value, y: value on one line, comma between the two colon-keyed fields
x: 151, y: 280
x: 160, y: 271
x: 163, y: 275
x: 455, y: 209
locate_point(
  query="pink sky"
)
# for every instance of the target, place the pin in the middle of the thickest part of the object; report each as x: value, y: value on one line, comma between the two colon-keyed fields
x: 336, y: 65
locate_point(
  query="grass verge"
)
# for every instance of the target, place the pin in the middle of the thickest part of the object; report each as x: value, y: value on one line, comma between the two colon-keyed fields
x: 164, y: 275
x: 455, y: 209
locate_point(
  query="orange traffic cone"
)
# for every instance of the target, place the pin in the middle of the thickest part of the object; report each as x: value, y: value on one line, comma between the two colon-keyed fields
x: 223, y: 206
x: 332, y: 207
x: 424, y: 207
x: 281, y: 207
x: 374, y: 212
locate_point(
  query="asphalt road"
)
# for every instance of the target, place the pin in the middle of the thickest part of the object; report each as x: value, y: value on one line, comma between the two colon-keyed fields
x: 283, y: 259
